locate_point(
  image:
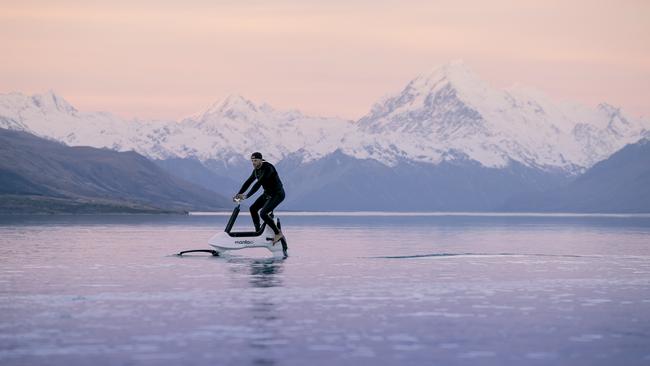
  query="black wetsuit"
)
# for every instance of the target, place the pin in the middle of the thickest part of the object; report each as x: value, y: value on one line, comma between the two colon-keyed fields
x: 268, y: 178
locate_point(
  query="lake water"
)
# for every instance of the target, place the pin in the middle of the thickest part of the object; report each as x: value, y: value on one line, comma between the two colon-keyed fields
x: 380, y: 290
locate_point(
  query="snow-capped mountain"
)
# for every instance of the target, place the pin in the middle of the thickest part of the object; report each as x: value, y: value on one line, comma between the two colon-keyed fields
x: 51, y: 116
x: 229, y: 130
x: 447, y: 141
x: 451, y: 113
x: 445, y: 115
x: 232, y: 128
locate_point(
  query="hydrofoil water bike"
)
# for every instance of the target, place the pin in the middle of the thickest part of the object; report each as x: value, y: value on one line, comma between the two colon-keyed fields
x: 230, y: 240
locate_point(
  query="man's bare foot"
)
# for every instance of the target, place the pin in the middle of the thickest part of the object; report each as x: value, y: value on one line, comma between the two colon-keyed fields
x: 277, y: 237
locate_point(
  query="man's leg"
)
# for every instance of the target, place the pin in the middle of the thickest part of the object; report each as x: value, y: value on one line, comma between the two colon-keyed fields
x: 255, y: 207
x: 269, y: 206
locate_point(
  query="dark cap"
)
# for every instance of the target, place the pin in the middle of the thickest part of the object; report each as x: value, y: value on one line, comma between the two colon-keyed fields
x: 256, y: 155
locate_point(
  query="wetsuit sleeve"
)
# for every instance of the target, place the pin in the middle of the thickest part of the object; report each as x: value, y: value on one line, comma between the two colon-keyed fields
x: 247, y: 183
x: 265, y: 172
x: 256, y: 186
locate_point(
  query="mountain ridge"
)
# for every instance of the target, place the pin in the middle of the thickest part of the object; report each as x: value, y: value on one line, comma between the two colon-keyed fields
x: 447, y: 134
x: 437, y: 116
x: 618, y: 184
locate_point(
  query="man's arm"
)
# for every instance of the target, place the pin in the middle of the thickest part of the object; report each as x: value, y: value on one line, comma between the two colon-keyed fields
x: 256, y: 186
x: 247, y: 183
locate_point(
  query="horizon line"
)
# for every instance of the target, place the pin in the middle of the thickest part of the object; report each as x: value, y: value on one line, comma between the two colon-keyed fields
x: 430, y: 214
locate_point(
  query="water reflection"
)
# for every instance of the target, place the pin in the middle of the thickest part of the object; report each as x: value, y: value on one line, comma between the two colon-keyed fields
x: 266, y: 320
x: 264, y: 273
x: 260, y: 273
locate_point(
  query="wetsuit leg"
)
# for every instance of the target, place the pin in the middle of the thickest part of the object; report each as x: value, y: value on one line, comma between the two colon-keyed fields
x: 271, y: 203
x: 255, y: 207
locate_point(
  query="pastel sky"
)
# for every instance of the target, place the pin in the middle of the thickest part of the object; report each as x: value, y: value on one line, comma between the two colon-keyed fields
x: 168, y: 59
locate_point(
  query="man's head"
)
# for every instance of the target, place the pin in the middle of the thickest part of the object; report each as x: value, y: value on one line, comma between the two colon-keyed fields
x: 256, y: 159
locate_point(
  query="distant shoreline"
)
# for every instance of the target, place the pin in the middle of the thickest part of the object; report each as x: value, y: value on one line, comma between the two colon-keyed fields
x: 14, y: 205
x: 430, y: 214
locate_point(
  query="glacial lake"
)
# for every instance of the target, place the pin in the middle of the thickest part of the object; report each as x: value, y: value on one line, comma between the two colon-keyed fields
x: 357, y: 289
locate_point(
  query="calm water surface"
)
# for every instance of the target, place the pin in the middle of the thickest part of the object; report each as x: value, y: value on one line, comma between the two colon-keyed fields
x: 409, y: 290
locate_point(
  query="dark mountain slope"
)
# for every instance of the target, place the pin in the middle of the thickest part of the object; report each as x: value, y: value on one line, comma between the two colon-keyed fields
x: 33, y: 168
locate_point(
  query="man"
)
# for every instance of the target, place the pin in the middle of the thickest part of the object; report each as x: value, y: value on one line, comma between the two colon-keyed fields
x: 268, y: 178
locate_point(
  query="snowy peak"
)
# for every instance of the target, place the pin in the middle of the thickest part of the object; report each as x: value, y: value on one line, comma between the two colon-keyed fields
x: 236, y: 106
x: 453, y: 78
x: 456, y: 74
x: 238, y: 109
x: 438, y: 101
x: 233, y: 102
x: 52, y: 101
x: 32, y: 113
x: 49, y: 115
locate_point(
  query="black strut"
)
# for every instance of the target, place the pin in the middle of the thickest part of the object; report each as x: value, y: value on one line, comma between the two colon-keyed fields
x: 232, y: 219
x: 213, y: 252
